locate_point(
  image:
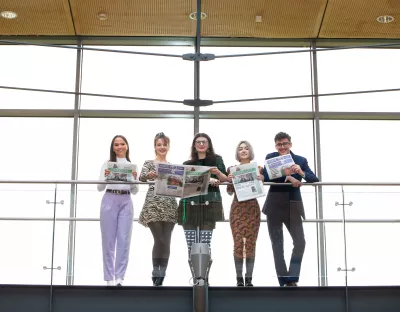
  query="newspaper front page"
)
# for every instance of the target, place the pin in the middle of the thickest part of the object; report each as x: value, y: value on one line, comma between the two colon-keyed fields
x: 276, y: 166
x: 245, y: 182
x: 181, y: 180
x: 120, y: 171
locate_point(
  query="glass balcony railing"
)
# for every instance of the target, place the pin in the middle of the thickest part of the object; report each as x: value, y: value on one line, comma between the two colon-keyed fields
x: 50, y: 234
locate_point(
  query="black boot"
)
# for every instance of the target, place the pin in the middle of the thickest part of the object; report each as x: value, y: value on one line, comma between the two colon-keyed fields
x: 154, y: 279
x: 248, y: 282
x: 159, y: 281
x: 239, y: 281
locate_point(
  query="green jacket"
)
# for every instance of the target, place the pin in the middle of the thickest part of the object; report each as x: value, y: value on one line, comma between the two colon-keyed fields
x: 214, y: 194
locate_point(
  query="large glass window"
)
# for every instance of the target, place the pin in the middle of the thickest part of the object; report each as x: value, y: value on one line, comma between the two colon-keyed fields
x: 359, y: 70
x: 250, y: 77
x: 34, y: 149
x: 37, y: 68
x: 353, y: 151
x: 156, y: 77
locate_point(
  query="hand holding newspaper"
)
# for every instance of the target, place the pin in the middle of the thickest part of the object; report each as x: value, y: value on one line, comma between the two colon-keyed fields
x: 120, y: 171
x: 181, y: 180
x: 245, y: 182
x: 276, y: 166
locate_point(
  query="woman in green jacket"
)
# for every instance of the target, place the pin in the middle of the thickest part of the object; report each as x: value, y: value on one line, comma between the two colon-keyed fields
x: 204, y: 210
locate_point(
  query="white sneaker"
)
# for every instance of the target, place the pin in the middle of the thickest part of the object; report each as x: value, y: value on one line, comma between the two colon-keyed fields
x: 118, y: 282
x: 110, y: 283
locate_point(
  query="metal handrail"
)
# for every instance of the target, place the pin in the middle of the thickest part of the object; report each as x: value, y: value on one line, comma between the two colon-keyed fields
x: 226, y: 220
x: 225, y: 183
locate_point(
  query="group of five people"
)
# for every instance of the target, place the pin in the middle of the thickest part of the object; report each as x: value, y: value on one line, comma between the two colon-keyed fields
x: 283, y: 206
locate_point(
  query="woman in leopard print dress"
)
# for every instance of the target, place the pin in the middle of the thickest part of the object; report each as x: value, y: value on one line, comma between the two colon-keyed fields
x: 244, y: 219
x: 159, y: 213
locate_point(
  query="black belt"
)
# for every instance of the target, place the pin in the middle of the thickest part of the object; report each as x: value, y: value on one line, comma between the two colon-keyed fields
x: 118, y: 192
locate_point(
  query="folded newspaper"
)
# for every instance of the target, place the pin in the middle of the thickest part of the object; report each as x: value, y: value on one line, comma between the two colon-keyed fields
x: 245, y: 182
x: 181, y: 180
x: 120, y: 171
x: 276, y: 166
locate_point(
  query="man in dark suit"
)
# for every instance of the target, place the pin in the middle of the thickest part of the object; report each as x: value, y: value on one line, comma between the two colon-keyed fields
x: 284, y: 205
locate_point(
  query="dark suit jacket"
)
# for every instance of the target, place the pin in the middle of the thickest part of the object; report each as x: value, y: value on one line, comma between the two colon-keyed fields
x: 282, y: 196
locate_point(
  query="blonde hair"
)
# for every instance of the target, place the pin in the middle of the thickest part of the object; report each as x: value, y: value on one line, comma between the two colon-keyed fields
x: 251, y: 150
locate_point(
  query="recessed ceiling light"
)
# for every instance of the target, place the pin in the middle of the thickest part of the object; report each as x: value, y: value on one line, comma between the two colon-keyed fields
x: 102, y: 16
x: 384, y: 19
x: 193, y: 15
x: 8, y: 14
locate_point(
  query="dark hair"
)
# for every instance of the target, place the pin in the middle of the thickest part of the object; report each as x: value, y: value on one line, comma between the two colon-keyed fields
x: 211, y: 157
x: 282, y: 135
x: 113, y: 156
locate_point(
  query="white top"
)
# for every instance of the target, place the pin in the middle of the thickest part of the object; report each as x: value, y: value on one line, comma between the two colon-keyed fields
x: 134, y: 188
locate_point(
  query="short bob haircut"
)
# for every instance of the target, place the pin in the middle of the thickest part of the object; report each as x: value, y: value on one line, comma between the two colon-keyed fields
x: 251, y: 151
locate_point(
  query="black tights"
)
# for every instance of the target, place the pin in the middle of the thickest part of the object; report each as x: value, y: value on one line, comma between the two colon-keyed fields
x: 162, y: 232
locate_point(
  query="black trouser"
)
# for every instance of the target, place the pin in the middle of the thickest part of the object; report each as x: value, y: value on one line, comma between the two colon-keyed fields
x: 289, y: 216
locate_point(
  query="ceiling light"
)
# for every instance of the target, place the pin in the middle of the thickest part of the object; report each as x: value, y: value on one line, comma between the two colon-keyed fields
x: 384, y: 19
x: 8, y: 14
x: 193, y: 15
x: 102, y: 16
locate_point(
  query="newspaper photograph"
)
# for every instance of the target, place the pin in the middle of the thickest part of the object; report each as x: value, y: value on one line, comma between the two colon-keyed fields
x: 245, y: 182
x: 181, y: 180
x: 120, y: 171
x: 276, y: 166
x: 197, y: 179
x: 170, y: 180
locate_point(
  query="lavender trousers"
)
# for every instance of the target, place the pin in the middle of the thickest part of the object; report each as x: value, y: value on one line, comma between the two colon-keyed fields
x: 116, y: 217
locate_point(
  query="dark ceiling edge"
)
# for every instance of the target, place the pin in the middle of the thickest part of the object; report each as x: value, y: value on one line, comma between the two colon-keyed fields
x: 190, y: 41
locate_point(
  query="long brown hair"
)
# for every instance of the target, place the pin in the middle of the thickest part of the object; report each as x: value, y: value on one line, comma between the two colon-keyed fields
x: 211, y: 157
x: 113, y: 156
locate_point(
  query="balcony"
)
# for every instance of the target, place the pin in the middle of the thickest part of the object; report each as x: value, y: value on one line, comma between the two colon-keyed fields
x: 51, y: 254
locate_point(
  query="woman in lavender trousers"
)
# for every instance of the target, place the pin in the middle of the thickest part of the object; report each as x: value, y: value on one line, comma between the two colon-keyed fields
x: 116, y: 216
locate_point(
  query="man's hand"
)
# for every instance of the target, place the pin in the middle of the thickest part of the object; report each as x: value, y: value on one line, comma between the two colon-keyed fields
x: 297, y: 169
x: 295, y: 182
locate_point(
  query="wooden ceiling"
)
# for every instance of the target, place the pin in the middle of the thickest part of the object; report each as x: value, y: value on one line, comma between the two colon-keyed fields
x: 225, y: 18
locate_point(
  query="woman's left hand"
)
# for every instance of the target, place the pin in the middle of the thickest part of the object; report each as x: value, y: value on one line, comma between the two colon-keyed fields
x: 134, y: 173
x: 214, y: 182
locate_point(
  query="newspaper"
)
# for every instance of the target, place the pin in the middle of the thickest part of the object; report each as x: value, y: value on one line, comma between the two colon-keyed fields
x: 245, y: 182
x: 276, y: 166
x: 181, y: 180
x: 120, y: 171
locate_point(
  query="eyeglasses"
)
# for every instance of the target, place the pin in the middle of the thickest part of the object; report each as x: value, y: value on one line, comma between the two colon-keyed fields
x: 160, y: 134
x: 284, y: 144
x: 201, y: 142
